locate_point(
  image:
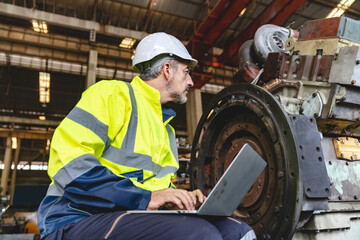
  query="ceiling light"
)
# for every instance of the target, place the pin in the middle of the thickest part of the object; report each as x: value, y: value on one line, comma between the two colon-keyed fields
x: 42, y: 118
x: 342, y: 6
x: 39, y: 26
x: 127, y: 43
x: 242, y: 12
x: 47, y: 144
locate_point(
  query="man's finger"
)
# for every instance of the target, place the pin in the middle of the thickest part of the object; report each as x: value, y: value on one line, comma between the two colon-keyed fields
x: 186, y: 199
x: 199, y: 196
x: 193, y: 197
x: 174, y: 199
x: 190, y: 198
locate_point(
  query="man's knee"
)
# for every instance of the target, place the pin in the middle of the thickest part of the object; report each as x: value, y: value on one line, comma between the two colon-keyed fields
x: 231, y: 228
x: 161, y: 226
x: 197, y: 229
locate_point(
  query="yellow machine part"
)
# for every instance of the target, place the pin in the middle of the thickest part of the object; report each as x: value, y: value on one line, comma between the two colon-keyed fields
x: 329, y: 46
x: 347, y: 148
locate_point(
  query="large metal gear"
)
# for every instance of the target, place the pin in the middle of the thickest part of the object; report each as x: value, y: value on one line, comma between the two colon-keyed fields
x: 246, y: 113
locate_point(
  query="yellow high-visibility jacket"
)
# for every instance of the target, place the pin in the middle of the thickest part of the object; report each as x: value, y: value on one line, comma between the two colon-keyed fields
x: 109, y: 153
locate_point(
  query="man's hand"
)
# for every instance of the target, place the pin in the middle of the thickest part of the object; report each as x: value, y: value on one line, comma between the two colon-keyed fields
x: 181, y: 198
x: 199, y: 196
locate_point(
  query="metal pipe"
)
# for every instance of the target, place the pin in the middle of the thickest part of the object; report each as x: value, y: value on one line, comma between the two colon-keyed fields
x: 91, y: 73
x: 13, y: 175
x: 7, y: 166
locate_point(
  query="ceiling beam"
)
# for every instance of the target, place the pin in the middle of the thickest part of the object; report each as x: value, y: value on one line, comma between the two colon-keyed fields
x: 221, y: 17
x: 69, y: 22
x: 72, y: 47
x: 274, y: 13
x: 286, y: 12
x: 29, y: 121
x: 26, y: 134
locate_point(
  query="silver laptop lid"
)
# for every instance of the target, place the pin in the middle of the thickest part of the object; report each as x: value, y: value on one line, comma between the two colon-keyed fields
x: 234, y: 183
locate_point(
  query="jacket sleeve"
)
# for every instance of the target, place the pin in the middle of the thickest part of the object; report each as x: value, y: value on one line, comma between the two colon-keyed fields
x: 99, y: 188
x: 80, y: 140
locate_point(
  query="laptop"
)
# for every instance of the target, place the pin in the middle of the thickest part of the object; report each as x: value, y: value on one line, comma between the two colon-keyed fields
x: 230, y: 190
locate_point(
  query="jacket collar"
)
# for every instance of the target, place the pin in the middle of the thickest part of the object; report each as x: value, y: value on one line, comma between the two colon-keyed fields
x: 153, y: 96
x: 150, y: 93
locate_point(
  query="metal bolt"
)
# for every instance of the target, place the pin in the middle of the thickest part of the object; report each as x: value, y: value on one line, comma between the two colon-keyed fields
x: 357, y: 61
x: 355, y: 197
x: 341, y: 155
x: 353, y: 82
x: 340, y: 197
x: 301, y: 110
x: 343, y: 98
x: 347, y: 163
x: 330, y: 162
x: 316, y: 115
x: 314, y: 95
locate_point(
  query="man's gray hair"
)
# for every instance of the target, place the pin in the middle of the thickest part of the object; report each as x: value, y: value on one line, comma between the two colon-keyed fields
x: 156, y: 65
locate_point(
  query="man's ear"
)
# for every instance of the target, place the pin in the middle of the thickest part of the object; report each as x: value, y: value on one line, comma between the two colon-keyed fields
x: 167, y: 70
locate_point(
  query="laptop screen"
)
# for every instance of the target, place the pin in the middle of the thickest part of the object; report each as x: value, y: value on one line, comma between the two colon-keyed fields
x: 234, y: 183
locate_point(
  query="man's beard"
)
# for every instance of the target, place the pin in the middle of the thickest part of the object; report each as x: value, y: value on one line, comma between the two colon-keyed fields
x: 179, y: 98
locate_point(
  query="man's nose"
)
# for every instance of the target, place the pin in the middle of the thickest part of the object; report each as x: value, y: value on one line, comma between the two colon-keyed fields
x: 190, y: 82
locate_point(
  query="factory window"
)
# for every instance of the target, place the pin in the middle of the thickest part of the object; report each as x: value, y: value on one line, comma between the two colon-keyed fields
x: 44, y: 87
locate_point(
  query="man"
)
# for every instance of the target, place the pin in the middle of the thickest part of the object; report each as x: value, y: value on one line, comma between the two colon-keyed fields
x: 116, y: 151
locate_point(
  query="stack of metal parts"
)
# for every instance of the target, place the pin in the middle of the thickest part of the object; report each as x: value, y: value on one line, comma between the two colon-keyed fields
x: 297, y: 103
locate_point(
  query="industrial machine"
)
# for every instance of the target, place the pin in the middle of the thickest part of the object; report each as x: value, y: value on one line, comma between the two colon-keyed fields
x: 296, y: 101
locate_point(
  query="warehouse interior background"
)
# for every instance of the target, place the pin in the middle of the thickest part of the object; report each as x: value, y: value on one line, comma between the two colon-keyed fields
x: 52, y: 50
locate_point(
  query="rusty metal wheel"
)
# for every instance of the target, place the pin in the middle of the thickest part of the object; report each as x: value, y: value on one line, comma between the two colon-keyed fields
x: 241, y: 114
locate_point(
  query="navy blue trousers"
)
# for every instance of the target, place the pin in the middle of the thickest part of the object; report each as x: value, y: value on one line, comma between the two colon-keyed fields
x: 130, y: 226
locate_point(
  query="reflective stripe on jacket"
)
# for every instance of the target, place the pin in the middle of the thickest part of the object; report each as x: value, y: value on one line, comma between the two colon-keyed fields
x: 109, y: 153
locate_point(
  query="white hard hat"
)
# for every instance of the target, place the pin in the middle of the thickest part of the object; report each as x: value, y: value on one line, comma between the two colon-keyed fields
x: 159, y: 43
